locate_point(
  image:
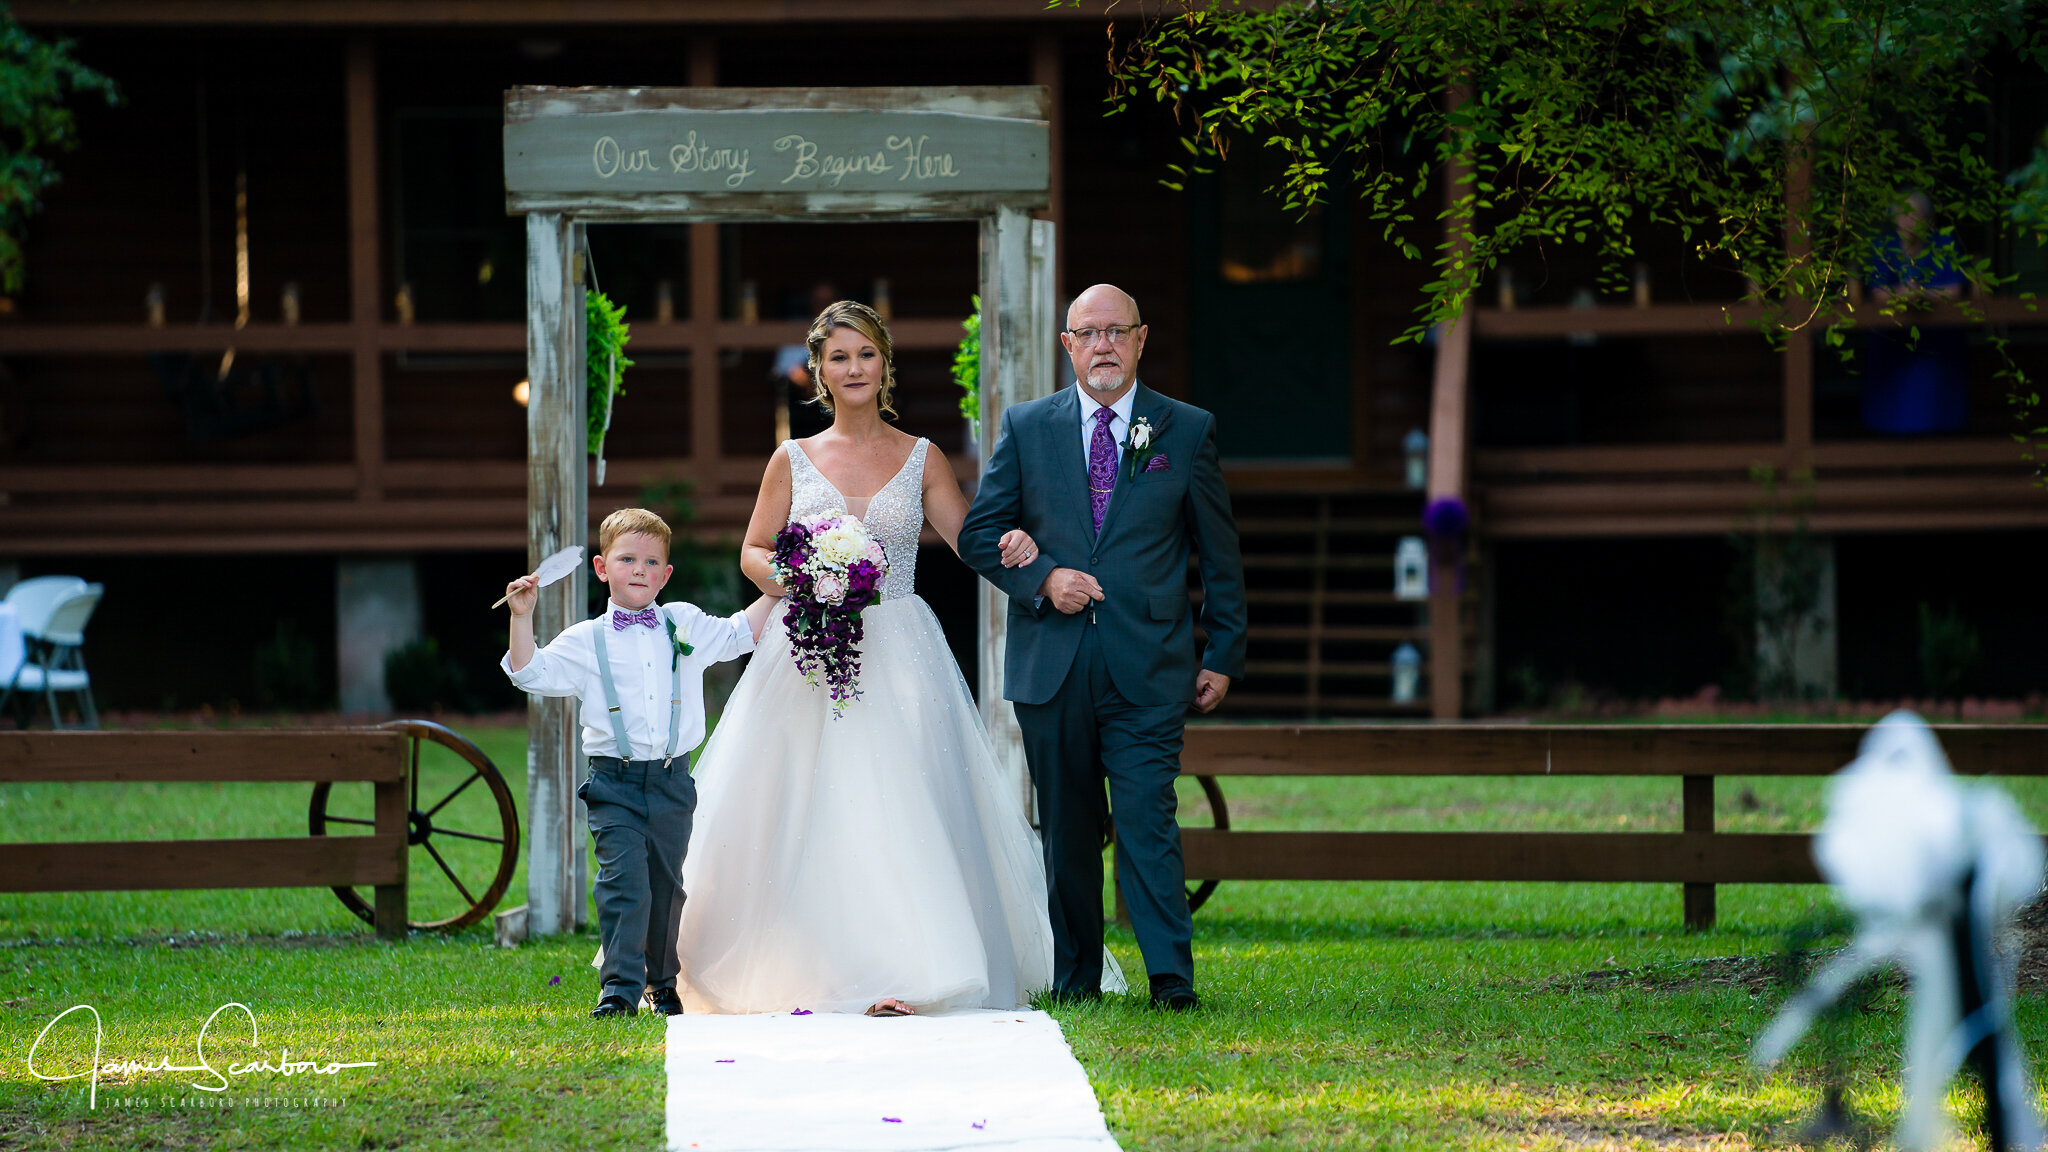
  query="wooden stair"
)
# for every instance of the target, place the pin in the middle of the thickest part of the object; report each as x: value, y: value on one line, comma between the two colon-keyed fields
x: 1324, y: 621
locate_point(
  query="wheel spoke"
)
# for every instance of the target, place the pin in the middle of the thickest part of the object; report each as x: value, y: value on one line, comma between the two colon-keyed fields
x: 440, y: 831
x: 415, y: 773
x: 452, y: 878
x: 349, y: 820
x: 473, y: 778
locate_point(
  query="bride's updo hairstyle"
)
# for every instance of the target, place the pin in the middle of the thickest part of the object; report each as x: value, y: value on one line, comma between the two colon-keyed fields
x: 864, y: 320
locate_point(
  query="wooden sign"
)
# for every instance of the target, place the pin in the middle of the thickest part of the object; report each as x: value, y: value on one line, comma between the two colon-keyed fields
x: 784, y: 149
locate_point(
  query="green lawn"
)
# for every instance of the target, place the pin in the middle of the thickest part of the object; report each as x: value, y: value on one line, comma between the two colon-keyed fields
x: 1336, y: 1015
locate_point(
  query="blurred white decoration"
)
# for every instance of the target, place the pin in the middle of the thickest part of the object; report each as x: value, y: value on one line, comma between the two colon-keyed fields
x: 1415, y: 446
x: 1932, y: 870
x: 1411, y: 569
x: 1407, y: 673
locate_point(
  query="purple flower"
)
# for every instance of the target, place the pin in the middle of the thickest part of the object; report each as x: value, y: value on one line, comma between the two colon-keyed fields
x: 554, y: 980
x: 801, y: 1012
x: 892, y: 1119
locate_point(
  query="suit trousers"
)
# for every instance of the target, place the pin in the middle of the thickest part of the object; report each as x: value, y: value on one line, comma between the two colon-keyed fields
x: 640, y: 820
x: 1085, y: 735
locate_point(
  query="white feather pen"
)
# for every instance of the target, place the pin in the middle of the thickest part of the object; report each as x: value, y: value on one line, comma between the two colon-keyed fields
x: 554, y: 568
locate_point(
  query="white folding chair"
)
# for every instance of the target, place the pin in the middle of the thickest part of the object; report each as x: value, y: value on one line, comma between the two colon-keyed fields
x: 56, y: 658
x: 38, y: 596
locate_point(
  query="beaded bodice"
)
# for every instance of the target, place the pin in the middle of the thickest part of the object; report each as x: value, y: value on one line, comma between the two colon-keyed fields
x: 894, y: 516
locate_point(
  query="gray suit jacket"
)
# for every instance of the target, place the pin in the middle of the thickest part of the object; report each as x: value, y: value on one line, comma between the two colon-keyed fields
x: 1037, y: 480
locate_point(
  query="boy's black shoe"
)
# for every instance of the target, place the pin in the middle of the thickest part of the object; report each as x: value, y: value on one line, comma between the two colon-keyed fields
x: 612, y: 1006
x: 664, y: 1001
x: 1175, y: 996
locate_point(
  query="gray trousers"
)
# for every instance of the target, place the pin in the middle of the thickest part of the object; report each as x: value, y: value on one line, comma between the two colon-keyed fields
x: 1085, y: 735
x: 640, y: 819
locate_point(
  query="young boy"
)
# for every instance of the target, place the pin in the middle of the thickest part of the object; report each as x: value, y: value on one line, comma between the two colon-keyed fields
x: 638, y: 670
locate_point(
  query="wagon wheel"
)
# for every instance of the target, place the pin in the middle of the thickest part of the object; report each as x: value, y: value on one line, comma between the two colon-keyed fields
x: 1198, y: 894
x: 464, y: 840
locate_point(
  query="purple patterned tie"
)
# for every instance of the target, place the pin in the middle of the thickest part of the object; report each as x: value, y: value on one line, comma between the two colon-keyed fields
x: 644, y: 616
x: 1101, y: 466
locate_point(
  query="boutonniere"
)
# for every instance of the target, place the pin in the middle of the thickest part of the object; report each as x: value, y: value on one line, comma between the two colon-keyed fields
x: 1139, y: 438
x: 678, y: 638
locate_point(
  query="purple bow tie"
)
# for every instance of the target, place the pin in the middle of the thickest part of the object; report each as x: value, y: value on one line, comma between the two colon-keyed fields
x: 645, y: 616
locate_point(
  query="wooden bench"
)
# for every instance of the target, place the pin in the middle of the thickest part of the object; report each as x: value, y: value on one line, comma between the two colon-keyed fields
x: 1697, y: 857
x: 307, y: 755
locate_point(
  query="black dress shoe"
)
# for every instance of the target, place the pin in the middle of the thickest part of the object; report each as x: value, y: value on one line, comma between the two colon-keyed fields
x: 1057, y: 998
x: 612, y: 1006
x: 664, y: 1001
x: 1176, y: 998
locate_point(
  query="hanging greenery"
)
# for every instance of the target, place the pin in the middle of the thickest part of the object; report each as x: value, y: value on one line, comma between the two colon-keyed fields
x: 967, y: 365
x: 605, y: 335
x: 1589, y: 125
x: 36, y: 76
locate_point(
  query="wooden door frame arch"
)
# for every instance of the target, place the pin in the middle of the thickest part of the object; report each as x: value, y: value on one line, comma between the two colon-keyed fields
x: 576, y: 156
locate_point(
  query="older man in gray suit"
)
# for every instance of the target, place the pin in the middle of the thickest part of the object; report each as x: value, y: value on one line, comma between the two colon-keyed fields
x: 1118, y: 485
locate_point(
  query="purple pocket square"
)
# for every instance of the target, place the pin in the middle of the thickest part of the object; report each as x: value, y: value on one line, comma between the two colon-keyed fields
x: 1159, y: 464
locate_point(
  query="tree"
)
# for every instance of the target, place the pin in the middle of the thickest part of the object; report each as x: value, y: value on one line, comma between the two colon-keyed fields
x: 36, y: 76
x: 1777, y: 138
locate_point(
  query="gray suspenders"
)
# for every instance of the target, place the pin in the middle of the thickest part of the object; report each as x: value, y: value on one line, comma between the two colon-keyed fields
x: 611, y: 694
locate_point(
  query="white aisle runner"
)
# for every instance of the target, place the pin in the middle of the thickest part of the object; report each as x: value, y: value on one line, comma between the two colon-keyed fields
x: 838, y: 1083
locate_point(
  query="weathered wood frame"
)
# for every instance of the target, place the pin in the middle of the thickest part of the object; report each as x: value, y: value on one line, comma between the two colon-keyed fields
x: 375, y: 756
x: 1697, y: 857
x: 1018, y: 257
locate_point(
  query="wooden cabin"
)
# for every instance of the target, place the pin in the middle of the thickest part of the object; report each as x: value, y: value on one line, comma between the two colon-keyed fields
x: 261, y: 380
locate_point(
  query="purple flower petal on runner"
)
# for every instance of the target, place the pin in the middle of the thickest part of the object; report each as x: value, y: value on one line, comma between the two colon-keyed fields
x: 801, y: 1012
x: 554, y: 980
x: 722, y: 1061
x: 979, y: 1124
x: 892, y: 1119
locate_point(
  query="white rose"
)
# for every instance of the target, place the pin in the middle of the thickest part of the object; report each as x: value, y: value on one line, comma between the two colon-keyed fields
x: 1141, y: 435
x: 829, y: 589
x: 842, y: 545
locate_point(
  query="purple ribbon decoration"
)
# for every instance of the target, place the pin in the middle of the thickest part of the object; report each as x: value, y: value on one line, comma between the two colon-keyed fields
x: 1446, y: 521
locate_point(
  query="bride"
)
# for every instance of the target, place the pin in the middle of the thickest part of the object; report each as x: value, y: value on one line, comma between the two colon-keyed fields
x: 877, y: 861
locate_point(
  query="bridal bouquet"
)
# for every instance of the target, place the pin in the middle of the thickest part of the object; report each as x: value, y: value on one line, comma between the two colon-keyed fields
x: 833, y: 569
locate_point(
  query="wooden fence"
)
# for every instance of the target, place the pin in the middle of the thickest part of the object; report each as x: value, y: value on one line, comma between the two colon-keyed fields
x: 1697, y: 857
x: 378, y: 860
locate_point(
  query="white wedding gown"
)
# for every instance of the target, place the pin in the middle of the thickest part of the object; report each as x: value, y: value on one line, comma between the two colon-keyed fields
x: 836, y: 862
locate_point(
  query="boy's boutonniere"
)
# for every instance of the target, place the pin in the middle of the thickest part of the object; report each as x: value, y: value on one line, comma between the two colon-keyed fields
x: 677, y: 638
x: 1139, y: 439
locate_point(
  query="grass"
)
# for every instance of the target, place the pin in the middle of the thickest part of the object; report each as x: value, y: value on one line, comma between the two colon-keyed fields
x: 1355, y: 1015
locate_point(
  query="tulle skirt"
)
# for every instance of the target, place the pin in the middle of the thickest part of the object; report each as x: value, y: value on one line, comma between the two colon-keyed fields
x: 836, y: 862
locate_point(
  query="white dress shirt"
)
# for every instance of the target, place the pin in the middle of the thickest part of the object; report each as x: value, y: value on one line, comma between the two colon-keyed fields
x: 641, y: 671
x: 1119, y: 424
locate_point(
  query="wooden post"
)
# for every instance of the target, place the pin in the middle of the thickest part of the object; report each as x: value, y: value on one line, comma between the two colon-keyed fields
x: 365, y: 309
x: 706, y: 448
x: 392, y: 820
x: 1447, y: 450
x: 1798, y: 368
x: 1699, y: 817
x: 1045, y: 72
x: 556, y: 517
x: 1017, y: 328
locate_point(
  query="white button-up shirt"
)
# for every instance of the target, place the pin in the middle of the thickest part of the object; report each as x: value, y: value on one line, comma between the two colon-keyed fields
x: 1119, y: 424
x: 640, y: 671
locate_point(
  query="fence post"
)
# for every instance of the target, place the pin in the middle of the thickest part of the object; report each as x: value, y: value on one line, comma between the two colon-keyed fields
x: 393, y: 818
x: 1699, y: 817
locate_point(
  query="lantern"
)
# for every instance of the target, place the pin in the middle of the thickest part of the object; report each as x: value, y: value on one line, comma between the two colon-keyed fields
x: 1416, y: 446
x: 1407, y: 673
x: 1411, y: 569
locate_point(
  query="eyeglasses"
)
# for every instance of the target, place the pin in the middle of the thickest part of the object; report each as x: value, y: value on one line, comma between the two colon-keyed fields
x: 1117, y: 333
